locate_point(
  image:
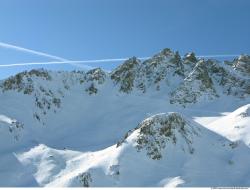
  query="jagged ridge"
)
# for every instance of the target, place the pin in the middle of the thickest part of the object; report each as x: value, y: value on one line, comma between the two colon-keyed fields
x: 183, y: 81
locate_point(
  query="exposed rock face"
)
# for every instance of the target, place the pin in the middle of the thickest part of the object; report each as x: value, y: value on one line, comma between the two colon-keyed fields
x: 189, y: 62
x: 242, y: 64
x: 190, y: 58
x: 208, y: 80
x: 163, y: 67
x: 47, y: 89
x: 195, y: 85
x: 231, y: 83
x: 85, y: 179
x: 97, y: 75
x: 15, y: 128
x: 156, y: 133
x: 134, y: 74
x: 186, y: 81
x: 94, y: 78
x: 22, y: 82
x: 126, y: 74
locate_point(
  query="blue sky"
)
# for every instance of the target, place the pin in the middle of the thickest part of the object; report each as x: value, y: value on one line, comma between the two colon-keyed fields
x: 98, y: 29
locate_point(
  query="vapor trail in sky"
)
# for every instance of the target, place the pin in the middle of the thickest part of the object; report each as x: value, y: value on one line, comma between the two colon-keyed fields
x: 26, y: 50
x: 43, y: 63
x: 96, y: 61
x: 34, y: 52
x: 69, y: 62
x: 61, y: 60
x: 214, y: 56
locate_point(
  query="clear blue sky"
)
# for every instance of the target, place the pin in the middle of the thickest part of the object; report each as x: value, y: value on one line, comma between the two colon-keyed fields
x: 97, y: 29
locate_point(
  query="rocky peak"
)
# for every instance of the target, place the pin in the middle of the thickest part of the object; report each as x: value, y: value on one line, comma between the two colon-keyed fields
x: 244, y: 58
x: 127, y: 67
x: 184, y: 80
x: 157, y: 132
x: 198, y: 84
x: 167, y: 52
x: 23, y: 82
x: 201, y: 72
x: 126, y: 74
x: 162, y: 57
x: 42, y: 73
x: 166, y: 56
x: 189, y: 61
x: 242, y: 64
x: 93, y: 79
x: 190, y: 58
x: 96, y: 75
x: 159, y: 69
x: 178, y: 61
x: 132, y: 61
x: 231, y: 83
x: 162, y: 65
x: 212, y: 64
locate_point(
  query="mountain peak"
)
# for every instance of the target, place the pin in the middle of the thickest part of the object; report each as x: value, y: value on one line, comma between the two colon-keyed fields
x: 190, y: 58
x: 186, y: 79
x: 244, y: 58
x: 167, y: 52
x: 96, y: 74
x: 159, y: 131
x: 242, y: 64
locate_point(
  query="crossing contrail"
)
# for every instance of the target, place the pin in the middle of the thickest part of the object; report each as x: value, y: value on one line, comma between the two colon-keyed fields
x: 39, y: 53
x: 94, y: 61
x: 26, y: 50
x: 61, y: 60
x: 70, y: 62
x: 222, y: 55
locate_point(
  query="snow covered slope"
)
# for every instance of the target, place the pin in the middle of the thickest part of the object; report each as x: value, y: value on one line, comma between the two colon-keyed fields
x: 10, y: 130
x: 77, y: 114
x: 235, y: 126
x: 163, y: 150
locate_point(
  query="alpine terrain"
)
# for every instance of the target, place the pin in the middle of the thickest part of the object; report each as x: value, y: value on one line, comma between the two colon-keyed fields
x: 167, y: 121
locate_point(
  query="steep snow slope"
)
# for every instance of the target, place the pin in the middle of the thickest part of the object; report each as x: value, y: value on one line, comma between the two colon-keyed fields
x: 163, y: 150
x: 235, y: 126
x: 10, y: 130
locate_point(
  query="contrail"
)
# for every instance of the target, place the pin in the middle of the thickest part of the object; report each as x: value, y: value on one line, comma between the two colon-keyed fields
x: 45, y: 63
x: 26, y: 50
x: 222, y: 55
x: 61, y: 60
x: 94, y: 61
x: 70, y: 62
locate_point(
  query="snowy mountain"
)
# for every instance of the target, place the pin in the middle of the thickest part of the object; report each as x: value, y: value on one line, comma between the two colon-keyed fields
x: 165, y: 121
x: 163, y: 150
